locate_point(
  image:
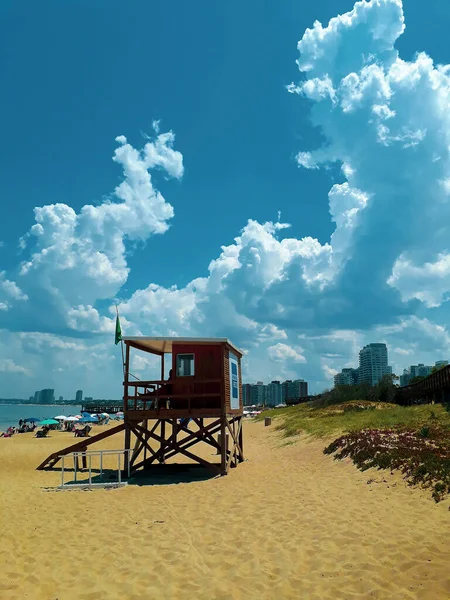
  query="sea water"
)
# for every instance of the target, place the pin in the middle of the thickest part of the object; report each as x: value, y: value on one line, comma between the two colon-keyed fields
x: 10, y: 414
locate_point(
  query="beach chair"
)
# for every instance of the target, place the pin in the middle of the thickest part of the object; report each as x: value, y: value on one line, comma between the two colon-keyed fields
x: 41, y: 433
x: 83, y: 432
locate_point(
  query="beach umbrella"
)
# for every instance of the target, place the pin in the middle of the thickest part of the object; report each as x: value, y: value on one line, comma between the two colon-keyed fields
x: 60, y: 417
x: 31, y: 420
x: 87, y: 420
x: 72, y: 418
x: 49, y: 422
x: 78, y: 417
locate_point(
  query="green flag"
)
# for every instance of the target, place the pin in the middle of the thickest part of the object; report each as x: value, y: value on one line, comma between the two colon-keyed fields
x: 118, y: 330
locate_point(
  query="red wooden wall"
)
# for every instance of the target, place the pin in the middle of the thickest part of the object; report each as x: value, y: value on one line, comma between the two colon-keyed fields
x: 207, y: 359
x: 207, y: 366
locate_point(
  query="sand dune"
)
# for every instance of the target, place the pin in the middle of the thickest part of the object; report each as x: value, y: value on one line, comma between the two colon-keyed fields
x: 288, y: 523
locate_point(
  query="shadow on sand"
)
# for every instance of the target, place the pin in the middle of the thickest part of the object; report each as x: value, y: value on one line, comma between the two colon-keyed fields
x: 171, y: 474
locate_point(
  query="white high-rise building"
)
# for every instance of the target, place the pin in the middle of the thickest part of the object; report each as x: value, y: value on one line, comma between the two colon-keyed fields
x: 373, y: 363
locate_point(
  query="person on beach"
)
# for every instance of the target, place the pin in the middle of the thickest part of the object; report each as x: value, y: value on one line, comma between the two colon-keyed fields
x: 9, y: 432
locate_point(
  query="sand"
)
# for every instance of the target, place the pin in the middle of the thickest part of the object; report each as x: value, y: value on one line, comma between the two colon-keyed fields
x: 290, y: 522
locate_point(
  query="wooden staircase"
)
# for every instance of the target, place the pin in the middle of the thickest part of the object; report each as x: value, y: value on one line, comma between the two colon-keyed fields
x: 81, y: 446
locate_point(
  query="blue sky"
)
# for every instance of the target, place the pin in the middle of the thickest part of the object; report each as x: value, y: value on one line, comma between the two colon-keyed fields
x: 366, y: 113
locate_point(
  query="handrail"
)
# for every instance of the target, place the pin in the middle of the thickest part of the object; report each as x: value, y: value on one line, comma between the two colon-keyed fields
x: 55, y: 457
x: 88, y: 455
x: 154, y: 399
x: 146, y: 383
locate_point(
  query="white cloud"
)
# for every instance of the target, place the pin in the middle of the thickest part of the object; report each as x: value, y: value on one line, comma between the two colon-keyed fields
x: 329, y: 372
x: 7, y: 365
x: 429, y: 283
x: 282, y: 352
x: 148, y: 363
x: 403, y: 351
x: 78, y: 259
x: 11, y: 289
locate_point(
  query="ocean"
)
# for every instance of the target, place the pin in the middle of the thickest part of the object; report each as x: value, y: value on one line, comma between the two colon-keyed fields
x: 10, y: 414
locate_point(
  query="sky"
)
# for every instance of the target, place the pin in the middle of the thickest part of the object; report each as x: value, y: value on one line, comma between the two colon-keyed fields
x: 276, y: 173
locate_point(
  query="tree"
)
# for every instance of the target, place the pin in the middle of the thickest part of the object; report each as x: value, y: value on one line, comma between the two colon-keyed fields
x: 385, y: 390
x: 417, y: 378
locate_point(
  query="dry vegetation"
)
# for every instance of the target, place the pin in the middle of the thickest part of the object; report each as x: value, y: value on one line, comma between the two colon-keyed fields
x: 414, y: 440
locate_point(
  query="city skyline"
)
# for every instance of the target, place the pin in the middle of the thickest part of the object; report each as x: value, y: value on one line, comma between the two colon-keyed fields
x: 373, y: 366
x: 274, y: 393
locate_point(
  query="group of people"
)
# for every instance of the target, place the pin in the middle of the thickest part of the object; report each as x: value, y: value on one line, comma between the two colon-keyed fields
x: 23, y: 427
x: 26, y: 426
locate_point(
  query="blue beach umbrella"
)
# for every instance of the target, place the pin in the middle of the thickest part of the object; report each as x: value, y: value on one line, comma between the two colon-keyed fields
x: 87, y: 420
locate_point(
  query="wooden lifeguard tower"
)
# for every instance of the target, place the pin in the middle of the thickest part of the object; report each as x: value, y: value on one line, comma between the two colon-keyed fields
x: 201, y: 401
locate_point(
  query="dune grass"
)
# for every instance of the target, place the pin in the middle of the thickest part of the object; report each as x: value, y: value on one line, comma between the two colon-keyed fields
x: 353, y: 416
x: 414, y: 440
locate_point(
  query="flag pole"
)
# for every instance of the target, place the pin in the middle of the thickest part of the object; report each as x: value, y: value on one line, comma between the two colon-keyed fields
x: 121, y: 344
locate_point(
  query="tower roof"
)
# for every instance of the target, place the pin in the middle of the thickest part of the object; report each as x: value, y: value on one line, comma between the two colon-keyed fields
x: 160, y: 345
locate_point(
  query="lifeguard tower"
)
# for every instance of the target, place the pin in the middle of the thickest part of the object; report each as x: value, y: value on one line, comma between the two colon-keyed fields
x: 200, y: 401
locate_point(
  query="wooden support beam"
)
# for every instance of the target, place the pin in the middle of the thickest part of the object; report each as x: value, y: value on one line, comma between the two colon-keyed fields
x: 223, y: 456
x: 143, y: 438
x: 171, y: 447
x: 235, y: 435
x: 136, y: 451
x: 196, y: 458
x: 127, y: 443
x: 145, y: 447
x: 241, y: 440
x: 162, y: 459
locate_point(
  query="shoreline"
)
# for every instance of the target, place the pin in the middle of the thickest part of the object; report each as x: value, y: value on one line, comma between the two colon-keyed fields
x: 24, y: 411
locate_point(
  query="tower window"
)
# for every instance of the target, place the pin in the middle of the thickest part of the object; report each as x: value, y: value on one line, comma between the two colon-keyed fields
x: 185, y: 365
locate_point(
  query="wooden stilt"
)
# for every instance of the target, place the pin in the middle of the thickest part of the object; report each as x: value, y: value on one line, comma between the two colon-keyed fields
x: 83, y: 458
x: 145, y: 447
x: 241, y: 440
x: 127, y: 444
x: 163, y: 441
x: 223, y: 456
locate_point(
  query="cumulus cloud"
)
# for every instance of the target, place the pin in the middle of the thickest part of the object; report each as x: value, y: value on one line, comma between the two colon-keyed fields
x: 283, y: 353
x: 329, y: 372
x: 369, y: 105
x: 77, y: 259
x: 384, y: 121
x: 9, y: 292
x: 429, y: 283
x: 7, y: 365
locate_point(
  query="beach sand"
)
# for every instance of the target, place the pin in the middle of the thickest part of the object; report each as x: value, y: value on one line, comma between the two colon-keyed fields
x: 289, y: 522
